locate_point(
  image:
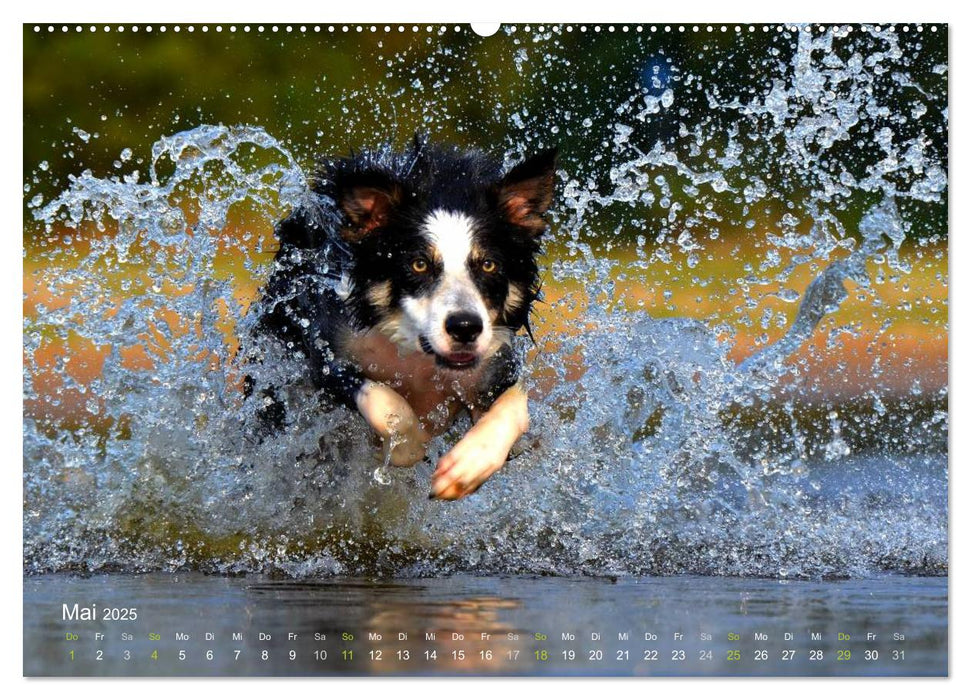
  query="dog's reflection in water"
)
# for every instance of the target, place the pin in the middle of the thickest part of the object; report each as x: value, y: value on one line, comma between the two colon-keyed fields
x: 469, y: 635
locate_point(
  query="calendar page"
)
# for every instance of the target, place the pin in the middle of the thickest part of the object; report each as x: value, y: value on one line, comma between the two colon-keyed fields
x: 517, y: 350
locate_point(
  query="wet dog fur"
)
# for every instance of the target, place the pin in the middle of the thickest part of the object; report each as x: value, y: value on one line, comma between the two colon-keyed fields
x: 400, y: 284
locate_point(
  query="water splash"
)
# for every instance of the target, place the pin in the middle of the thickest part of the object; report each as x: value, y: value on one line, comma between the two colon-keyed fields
x: 652, y: 451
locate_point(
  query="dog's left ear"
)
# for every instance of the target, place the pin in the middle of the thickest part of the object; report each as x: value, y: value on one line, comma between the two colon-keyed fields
x: 526, y: 191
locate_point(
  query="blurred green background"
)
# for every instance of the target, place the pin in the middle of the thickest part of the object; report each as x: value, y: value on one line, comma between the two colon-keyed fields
x: 88, y: 96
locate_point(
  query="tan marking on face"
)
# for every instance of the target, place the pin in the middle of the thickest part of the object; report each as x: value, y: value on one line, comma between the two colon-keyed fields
x: 514, y: 297
x: 380, y: 294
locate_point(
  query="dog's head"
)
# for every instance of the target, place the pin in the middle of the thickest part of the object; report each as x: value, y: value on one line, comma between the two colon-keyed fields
x: 444, y: 246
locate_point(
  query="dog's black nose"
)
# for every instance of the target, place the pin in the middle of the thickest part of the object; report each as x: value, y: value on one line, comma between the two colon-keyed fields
x: 464, y: 326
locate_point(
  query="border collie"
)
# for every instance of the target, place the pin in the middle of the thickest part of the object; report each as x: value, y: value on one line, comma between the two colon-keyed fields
x: 399, y: 286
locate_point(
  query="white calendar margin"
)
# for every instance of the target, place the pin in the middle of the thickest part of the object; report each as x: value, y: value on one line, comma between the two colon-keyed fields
x: 388, y: 11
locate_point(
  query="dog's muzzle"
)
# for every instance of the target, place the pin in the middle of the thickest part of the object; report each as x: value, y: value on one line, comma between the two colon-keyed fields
x: 461, y: 359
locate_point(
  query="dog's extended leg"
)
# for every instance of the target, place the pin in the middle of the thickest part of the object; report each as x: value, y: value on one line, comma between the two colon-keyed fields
x: 484, y: 449
x: 387, y: 412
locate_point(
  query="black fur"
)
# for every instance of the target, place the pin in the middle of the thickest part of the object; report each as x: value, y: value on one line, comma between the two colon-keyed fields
x: 364, y: 218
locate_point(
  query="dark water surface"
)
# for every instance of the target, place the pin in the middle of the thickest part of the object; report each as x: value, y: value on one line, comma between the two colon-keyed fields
x: 193, y: 624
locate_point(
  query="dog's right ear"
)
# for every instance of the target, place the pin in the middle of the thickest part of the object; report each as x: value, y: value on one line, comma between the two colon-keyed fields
x: 367, y: 202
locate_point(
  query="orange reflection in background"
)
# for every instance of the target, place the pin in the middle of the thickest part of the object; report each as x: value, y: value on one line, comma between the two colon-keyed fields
x: 891, y: 346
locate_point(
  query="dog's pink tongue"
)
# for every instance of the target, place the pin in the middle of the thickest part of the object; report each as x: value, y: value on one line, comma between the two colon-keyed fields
x: 461, y: 358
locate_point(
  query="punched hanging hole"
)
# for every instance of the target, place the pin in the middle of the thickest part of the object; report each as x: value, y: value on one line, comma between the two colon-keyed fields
x: 485, y: 28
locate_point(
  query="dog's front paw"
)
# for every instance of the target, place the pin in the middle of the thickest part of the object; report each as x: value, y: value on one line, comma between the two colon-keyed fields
x: 395, y: 422
x: 405, y: 444
x: 464, y: 468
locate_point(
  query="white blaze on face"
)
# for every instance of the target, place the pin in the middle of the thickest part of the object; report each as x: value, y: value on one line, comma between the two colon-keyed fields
x: 450, y: 235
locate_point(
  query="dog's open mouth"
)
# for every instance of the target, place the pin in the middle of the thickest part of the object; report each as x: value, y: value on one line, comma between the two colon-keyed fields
x: 453, y: 360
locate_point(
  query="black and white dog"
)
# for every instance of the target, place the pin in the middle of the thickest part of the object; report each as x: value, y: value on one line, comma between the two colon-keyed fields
x: 400, y: 287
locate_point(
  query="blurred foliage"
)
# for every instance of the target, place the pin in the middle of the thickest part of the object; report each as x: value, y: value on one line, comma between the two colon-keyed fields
x: 88, y: 96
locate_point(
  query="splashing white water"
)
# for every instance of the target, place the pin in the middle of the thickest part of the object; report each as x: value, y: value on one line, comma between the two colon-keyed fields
x: 645, y: 457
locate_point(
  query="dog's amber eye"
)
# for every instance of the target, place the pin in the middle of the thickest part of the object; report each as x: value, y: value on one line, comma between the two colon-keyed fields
x: 489, y: 266
x: 419, y: 265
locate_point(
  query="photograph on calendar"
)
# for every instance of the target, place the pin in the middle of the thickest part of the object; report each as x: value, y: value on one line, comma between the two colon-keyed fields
x: 471, y: 350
